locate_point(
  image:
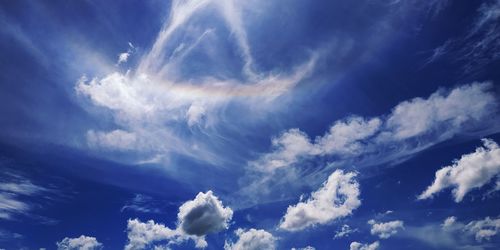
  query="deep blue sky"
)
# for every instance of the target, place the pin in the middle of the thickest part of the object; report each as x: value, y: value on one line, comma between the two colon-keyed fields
x: 117, y: 110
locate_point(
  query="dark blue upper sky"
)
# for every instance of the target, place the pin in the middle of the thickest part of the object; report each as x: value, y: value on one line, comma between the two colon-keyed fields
x: 223, y: 124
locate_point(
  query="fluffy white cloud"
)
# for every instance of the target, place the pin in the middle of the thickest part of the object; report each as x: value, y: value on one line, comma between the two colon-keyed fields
x: 344, y: 231
x: 384, y: 230
x: 203, y: 215
x: 141, y: 235
x: 432, y: 120
x: 343, y: 138
x: 252, y: 239
x: 336, y: 198
x: 471, y: 171
x: 411, y: 127
x: 481, y: 229
x: 444, y: 112
x: 196, y: 218
x: 81, y: 243
x: 359, y: 246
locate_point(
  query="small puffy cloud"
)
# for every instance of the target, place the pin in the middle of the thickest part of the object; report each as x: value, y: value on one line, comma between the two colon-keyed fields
x: 123, y: 57
x: 359, y: 246
x: 336, y: 198
x: 203, y: 215
x: 196, y: 218
x: 471, y: 171
x: 384, y: 230
x: 81, y: 243
x: 252, y: 239
x: 344, y: 231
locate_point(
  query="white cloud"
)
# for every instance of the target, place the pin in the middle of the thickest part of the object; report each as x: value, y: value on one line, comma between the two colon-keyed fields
x: 117, y: 139
x: 482, y: 230
x: 81, y: 243
x: 196, y: 218
x: 343, y: 138
x: 471, y: 171
x: 304, y: 248
x: 359, y: 246
x: 203, y: 215
x: 344, y: 231
x: 336, y: 198
x: 445, y: 112
x: 151, y: 102
x: 411, y: 127
x: 141, y: 235
x: 123, y: 57
x: 11, y: 196
x: 384, y: 230
x: 252, y: 239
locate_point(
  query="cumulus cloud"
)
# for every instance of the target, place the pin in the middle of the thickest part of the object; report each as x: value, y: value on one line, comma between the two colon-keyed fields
x: 141, y: 235
x: 336, y: 198
x: 123, y: 57
x: 344, y: 231
x: 471, y: 171
x: 252, y: 239
x: 203, y: 215
x: 81, y: 243
x: 360, y: 246
x: 384, y: 230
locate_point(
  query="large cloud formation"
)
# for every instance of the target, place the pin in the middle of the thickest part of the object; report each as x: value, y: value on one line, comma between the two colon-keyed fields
x: 471, y: 171
x: 336, y: 198
x: 203, y: 215
x: 81, y: 243
x: 412, y: 126
x: 384, y: 230
x: 252, y: 239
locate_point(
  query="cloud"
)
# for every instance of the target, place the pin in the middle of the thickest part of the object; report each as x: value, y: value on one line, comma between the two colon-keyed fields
x: 453, y: 234
x: 141, y: 203
x: 344, y: 231
x: 385, y: 230
x: 153, y: 101
x: 81, y: 243
x: 252, y: 239
x: 336, y: 198
x: 203, y: 215
x: 359, y: 246
x: 343, y: 138
x: 12, y: 194
x: 482, y: 230
x: 304, y: 248
x: 411, y: 127
x: 471, y: 171
x: 141, y: 235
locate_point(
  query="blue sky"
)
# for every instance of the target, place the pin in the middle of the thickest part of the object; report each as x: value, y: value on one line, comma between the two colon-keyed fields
x: 222, y: 124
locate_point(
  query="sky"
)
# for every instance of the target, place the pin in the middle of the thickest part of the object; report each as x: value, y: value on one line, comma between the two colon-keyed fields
x: 240, y: 125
